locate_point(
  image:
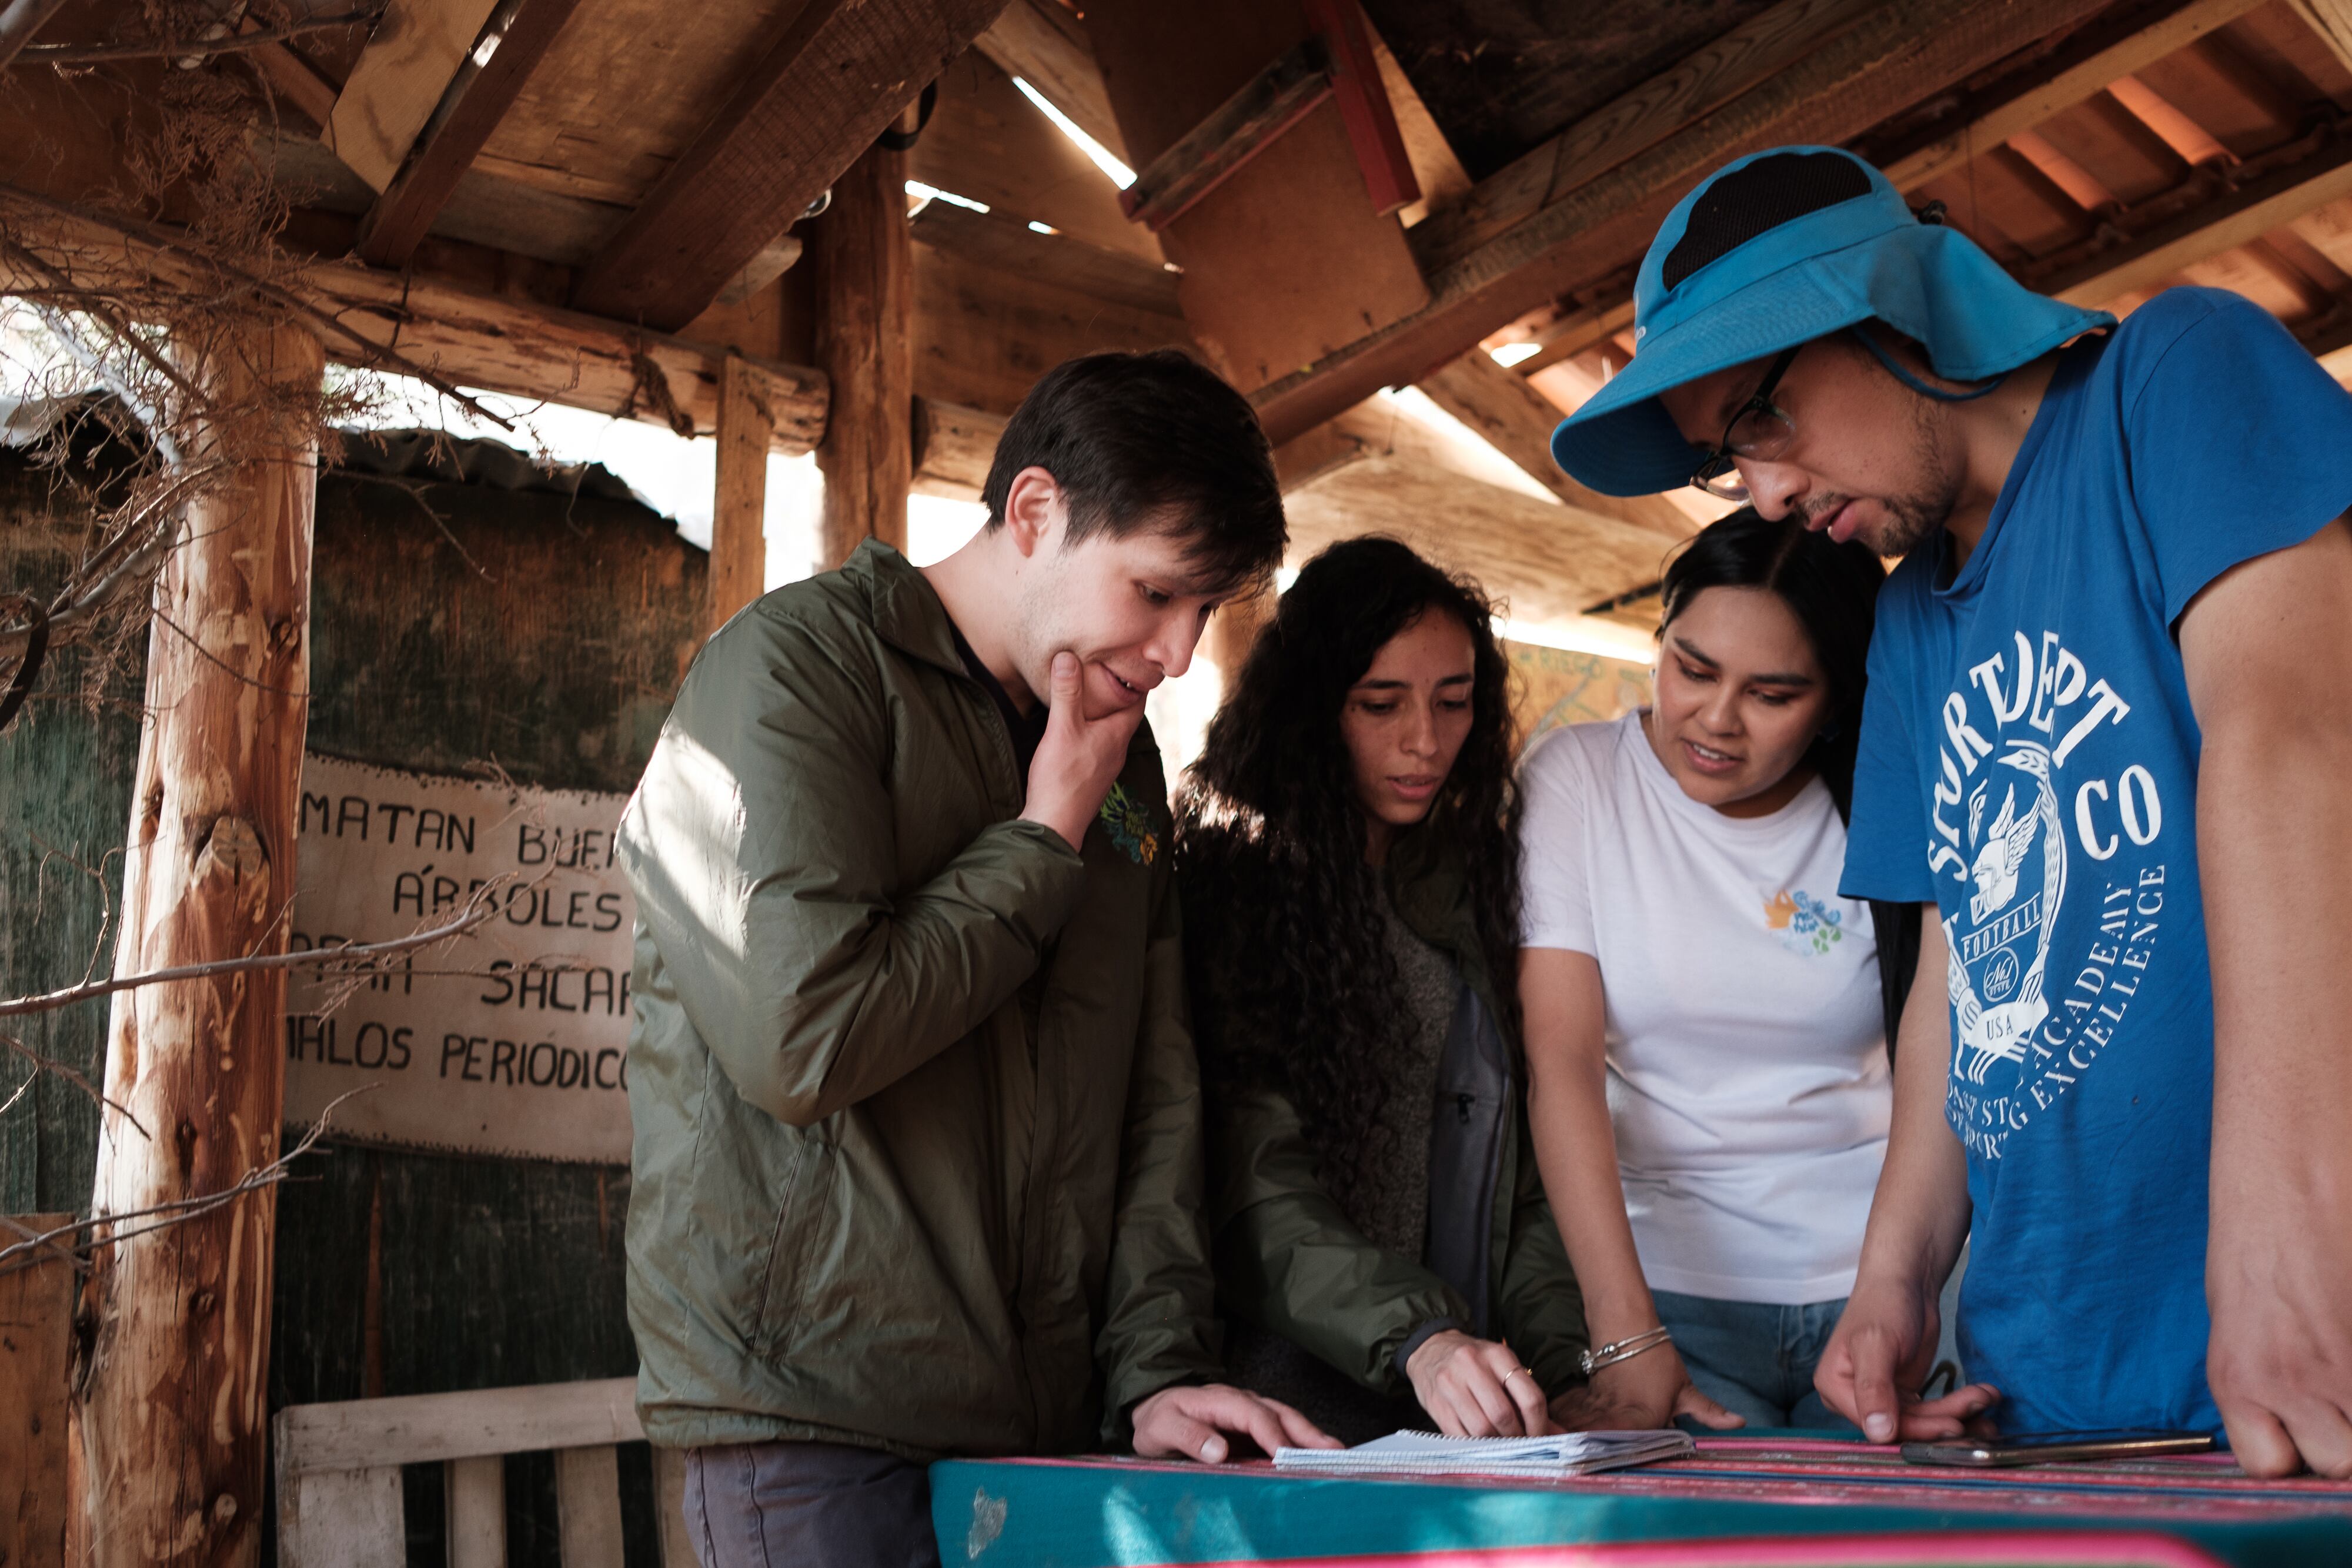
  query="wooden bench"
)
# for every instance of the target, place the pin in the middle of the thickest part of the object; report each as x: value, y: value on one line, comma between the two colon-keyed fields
x: 339, y: 1495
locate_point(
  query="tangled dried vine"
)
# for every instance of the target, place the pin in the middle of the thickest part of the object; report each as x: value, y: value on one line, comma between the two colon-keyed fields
x: 122, y: 307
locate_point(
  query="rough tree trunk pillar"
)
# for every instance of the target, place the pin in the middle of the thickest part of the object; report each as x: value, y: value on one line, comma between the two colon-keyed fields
x: 171, y: 1410
x: 863, y: 254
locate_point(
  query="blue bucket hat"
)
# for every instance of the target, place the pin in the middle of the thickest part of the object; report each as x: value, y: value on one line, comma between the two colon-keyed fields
x: 1774, y: 250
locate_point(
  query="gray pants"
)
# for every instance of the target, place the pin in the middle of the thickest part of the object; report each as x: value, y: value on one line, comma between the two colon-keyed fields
x: 769, y: 1505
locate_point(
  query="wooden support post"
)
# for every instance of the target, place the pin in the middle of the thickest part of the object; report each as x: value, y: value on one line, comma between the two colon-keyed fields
x: 37, y: 1305
x: 864, y: 261
x: 738, y: 540
x: 1233, y: 631
x: 172, y: 1414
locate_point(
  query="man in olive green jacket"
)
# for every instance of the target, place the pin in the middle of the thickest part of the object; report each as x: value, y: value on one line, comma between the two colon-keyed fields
x: 916, y: 1156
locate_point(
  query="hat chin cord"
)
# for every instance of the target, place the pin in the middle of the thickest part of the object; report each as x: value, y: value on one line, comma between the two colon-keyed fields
x: 1915, y: 383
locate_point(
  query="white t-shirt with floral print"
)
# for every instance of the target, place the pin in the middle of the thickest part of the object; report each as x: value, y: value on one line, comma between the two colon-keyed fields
x: 1749, y: 1082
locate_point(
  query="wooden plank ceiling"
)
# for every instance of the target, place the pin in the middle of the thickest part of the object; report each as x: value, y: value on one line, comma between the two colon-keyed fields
x: 644, y: 162
x: 2144, y: 146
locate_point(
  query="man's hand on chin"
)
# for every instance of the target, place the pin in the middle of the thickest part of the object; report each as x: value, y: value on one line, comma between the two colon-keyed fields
x: 1191, y: 1423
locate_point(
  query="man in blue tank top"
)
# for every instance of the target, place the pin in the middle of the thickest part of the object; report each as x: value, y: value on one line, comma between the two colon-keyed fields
x: 2109, y: 743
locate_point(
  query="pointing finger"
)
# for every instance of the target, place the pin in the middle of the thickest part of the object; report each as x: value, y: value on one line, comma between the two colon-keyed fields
x: 1520, y: 1385
x: 1239, y: 1412
x: 1874, y: 1393
x: 1302, y: 1433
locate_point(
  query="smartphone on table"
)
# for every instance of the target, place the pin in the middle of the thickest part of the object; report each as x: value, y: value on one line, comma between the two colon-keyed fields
x: 2054, y: 1448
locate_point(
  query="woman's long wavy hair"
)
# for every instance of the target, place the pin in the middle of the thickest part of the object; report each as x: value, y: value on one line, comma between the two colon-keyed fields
x: 1292, y: 983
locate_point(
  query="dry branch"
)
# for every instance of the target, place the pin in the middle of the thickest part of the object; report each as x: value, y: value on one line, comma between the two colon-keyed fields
x: 182, y: 49
x: 88, y: 1240
x: 479, y: 909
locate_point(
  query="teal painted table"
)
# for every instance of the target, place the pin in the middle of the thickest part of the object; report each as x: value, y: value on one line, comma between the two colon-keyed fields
x: 1777, y: 1502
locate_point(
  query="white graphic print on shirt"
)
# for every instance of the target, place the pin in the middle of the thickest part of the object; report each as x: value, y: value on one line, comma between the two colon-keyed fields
x: 2029, y: 743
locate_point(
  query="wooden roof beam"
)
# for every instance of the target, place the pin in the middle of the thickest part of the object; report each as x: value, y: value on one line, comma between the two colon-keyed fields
x: 1029, y: 41
x: 1892, y: 57
x: 1709, y: 77
x: 295, y: 79
x: 831, y: 83
x: 2332, y: 20
x: 1516, y: 420
x: 1281, y: 95
x: 2081, y: 79
x: 1574, y: 333
x: 2075, y: 82
x: 19, y: 20
x: 490, y: 341
x: 519, y: 35
x: 2242, y: 212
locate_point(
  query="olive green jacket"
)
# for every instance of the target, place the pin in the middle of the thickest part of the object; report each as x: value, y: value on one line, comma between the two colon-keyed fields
x: 1289, y: 1260
x: 917, y: 1148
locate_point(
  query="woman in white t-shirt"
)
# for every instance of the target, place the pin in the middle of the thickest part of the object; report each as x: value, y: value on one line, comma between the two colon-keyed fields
x: 1709, y: 1085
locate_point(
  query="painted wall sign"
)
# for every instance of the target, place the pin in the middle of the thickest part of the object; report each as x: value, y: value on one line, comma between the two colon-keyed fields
x: 527, y: 1055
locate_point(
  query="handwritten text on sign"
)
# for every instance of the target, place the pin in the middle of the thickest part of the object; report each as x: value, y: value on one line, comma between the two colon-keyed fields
x: 527, y: 1053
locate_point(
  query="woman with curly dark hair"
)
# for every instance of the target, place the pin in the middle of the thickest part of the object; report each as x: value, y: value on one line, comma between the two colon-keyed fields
x: 1348, y: 856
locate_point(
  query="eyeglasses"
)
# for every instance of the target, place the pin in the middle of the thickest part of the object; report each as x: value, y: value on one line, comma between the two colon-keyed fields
x: 1760, y: 430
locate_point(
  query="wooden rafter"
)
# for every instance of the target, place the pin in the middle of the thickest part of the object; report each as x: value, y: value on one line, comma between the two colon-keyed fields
x: 416, y: 48
x: 832, y: 82
x: 1579, y: 331
x: 1711, y: 77
x: 477, y: 340
x: 1029, y: 42
x: 295, y: 79
x: 2028, y: 103
x: 2332, y: 20
x: 2242, y: 211
x: 1362, y: 96
x: 470, y: 109
x: 1517, y: 421
x: 1891, y: 58
x: 953, y: 446
x: 19, y: 20
x: 1241, y: 128
x: 2006, y: 112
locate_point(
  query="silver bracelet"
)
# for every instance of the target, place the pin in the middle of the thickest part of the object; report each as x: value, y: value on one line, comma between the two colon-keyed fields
x: 1592, y: 1361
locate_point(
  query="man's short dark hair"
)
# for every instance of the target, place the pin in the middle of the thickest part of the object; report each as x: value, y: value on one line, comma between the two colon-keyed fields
x: 1153, y: 442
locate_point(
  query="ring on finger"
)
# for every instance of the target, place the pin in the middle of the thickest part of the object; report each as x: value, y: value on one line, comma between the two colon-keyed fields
x: 1515, y: 1372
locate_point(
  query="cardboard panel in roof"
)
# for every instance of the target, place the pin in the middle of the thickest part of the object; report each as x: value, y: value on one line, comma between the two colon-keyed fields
x: 628, y: 85
x: 1287, y: 258
x: 988, y: 142
x: 984, y: 335
x: 1500, y: 77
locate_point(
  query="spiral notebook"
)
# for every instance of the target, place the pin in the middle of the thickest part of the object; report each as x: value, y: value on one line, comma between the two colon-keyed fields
x: 1427, y: 1453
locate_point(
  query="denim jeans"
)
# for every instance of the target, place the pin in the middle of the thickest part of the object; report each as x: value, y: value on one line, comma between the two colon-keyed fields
x: 767, y: 1505
x: 1754, y: 1358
